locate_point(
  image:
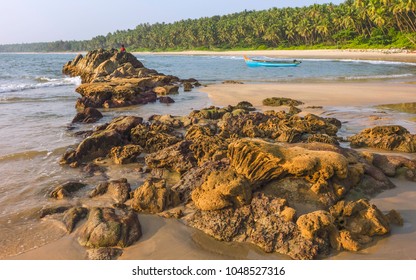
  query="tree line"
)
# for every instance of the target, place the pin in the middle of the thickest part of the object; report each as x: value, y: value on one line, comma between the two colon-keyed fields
x: 353, y: 23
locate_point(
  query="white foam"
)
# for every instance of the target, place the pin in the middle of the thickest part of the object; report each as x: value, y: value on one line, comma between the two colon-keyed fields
x: 42, y: 82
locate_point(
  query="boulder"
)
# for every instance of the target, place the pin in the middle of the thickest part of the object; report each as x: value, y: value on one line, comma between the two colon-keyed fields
x: 112, y: 79
x: 222, y: 189
x: 119, y: 190
x: 72, y: 216
x: 280, y: 101
x: 166, y: 100
x: 126, y: 154
x: 392, y: 137
x: 88, y: 115
x: 106, y: 227
x: 178, y: 158
x: 264, y: 222
x: 66, y: 189
x: 154, y: 197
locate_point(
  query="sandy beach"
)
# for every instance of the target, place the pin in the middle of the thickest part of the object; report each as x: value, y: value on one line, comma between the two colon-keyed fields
x: 170, y: 239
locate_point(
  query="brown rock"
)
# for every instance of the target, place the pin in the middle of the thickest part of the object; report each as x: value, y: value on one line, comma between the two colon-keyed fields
x: 65, y: 190
x: 393, y: 138
x: 88, y: 115
x: 222, y: 189
x: 119, y: 190
x: 166, y: 100
x: 177, y: 157
x: 154, y: 197
x: 107, y: 228
x: 126, y: 154
x: 260, y: 223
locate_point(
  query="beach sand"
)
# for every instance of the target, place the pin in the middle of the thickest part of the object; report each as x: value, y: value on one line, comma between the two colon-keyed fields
x: 170, y: 239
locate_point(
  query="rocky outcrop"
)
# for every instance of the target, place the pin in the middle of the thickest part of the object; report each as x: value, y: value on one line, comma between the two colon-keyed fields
x: 66, y: 189
x: 119, y: 190
x: 154, y: 197
x: 178, y: 158
x: 102, y: 141
x: 273, y: 179
x: 393, y: 138
x: 88, y: 115
x: 281, y: 101
x: 393, y: 166
x: 113, y: 79
x: 264, y: 222
x: 107, y: 228
x: 126, y: 154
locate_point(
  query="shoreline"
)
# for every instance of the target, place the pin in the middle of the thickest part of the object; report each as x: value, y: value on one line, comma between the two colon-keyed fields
x: 355, y: 54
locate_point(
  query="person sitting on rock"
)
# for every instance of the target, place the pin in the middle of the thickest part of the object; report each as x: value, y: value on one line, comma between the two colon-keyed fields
x: 122, y: 49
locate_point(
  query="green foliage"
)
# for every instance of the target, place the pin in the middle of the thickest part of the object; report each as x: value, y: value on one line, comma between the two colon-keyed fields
x: 354, y: 23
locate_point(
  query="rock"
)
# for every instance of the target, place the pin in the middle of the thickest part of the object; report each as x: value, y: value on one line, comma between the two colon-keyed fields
x: 280, y: 101
x: 178, y: 158
x: 126, y: 154
x: 104, y: 253
x: 72, y: 216
x: 66, y: 189
x: 311, y: 225
x: 222, y: 189
x: 124, y: 124
x: 46, y: 211
x: 97, y: 145
x: 393, y: 138
x: 105, y: 138
x: 360, y: 218
x: 232, y: 82
x: 166, y: 100
x: 154, y: 197
x: 394, y: 217
x: 88, y: 115
x: 112, y: 79
x: 151, y: 140
x: 173, y: 213
x: 187, y: 86
x: 164, y: 90
x: 195, y: 177
x: 119, y: 190
x: 260, y: 223
x: 394, y: 166
x: 106, y: 227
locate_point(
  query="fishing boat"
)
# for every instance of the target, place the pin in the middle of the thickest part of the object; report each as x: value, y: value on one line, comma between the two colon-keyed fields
x: 271, y: 63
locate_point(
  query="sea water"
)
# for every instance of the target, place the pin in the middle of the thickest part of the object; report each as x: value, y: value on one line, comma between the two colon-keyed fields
x: 37, y: 106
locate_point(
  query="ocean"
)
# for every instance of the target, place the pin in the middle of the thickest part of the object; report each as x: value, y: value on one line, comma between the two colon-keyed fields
x: 37, y: 106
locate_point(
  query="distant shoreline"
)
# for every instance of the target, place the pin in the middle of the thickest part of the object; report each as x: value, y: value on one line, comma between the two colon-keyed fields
x: 397, y: 55
x: 356, y: 54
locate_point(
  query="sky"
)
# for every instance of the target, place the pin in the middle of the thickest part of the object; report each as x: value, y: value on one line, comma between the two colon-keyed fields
x: 26, y: 21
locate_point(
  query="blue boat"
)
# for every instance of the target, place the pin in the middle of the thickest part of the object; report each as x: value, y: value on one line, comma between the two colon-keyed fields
x: 271, y: 63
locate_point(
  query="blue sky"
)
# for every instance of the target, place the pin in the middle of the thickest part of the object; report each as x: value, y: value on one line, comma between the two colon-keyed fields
x: 25, y: 21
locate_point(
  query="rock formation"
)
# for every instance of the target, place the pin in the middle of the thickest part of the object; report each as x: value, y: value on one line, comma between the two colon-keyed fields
x: 113, y: 79
x: 393, y: 138
x: 273, y: 179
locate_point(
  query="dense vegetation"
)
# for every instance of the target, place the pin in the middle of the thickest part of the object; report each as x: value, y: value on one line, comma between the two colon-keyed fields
x: 354, y: 23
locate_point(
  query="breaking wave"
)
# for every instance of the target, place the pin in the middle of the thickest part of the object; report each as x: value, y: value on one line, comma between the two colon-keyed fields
x: 39, y: 82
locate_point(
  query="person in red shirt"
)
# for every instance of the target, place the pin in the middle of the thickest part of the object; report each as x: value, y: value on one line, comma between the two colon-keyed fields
x: 122, y: 49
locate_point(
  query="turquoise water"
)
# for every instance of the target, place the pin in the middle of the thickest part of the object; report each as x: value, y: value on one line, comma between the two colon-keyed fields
x: 37, y: 106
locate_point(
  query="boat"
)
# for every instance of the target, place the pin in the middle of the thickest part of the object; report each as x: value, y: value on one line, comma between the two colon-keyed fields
x: 271, y: 63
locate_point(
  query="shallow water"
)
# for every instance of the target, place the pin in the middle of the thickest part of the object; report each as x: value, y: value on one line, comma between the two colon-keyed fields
x: 37, y: 106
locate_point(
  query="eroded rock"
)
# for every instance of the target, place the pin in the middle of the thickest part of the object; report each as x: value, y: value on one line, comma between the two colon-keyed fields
x: 107, y: 227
